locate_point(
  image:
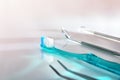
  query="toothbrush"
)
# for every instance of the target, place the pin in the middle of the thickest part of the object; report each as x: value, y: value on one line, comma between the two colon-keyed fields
x: 47, y: 44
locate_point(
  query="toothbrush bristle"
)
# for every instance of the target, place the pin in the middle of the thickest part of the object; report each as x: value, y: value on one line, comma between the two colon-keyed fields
x: 47, y: 42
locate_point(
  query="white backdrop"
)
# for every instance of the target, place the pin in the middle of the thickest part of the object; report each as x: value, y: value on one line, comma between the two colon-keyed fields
x: 24, y: 18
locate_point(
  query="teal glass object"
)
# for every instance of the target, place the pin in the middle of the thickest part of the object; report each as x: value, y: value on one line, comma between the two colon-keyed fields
x: 87, y: 57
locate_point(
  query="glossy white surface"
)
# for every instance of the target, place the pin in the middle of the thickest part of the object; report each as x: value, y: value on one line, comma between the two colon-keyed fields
x: 22, y: 59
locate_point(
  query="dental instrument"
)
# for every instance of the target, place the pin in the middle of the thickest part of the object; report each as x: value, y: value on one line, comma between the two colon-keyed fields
x: 73, y: 72
x: 95, y: 39
x: 47, y: 44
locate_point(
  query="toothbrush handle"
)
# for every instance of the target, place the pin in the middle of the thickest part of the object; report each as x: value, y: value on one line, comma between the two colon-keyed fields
x: 94, y: 60
x: 105, y: 64
x: 89, y: 58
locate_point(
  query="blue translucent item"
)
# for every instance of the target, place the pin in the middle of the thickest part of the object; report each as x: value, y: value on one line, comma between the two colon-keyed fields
x: 87, y: 57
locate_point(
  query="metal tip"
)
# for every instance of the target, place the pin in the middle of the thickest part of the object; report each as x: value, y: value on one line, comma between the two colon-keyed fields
x: 65, y: 33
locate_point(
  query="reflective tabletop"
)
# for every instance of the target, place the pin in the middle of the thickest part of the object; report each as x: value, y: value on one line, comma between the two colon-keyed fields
x: 23, y: 59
